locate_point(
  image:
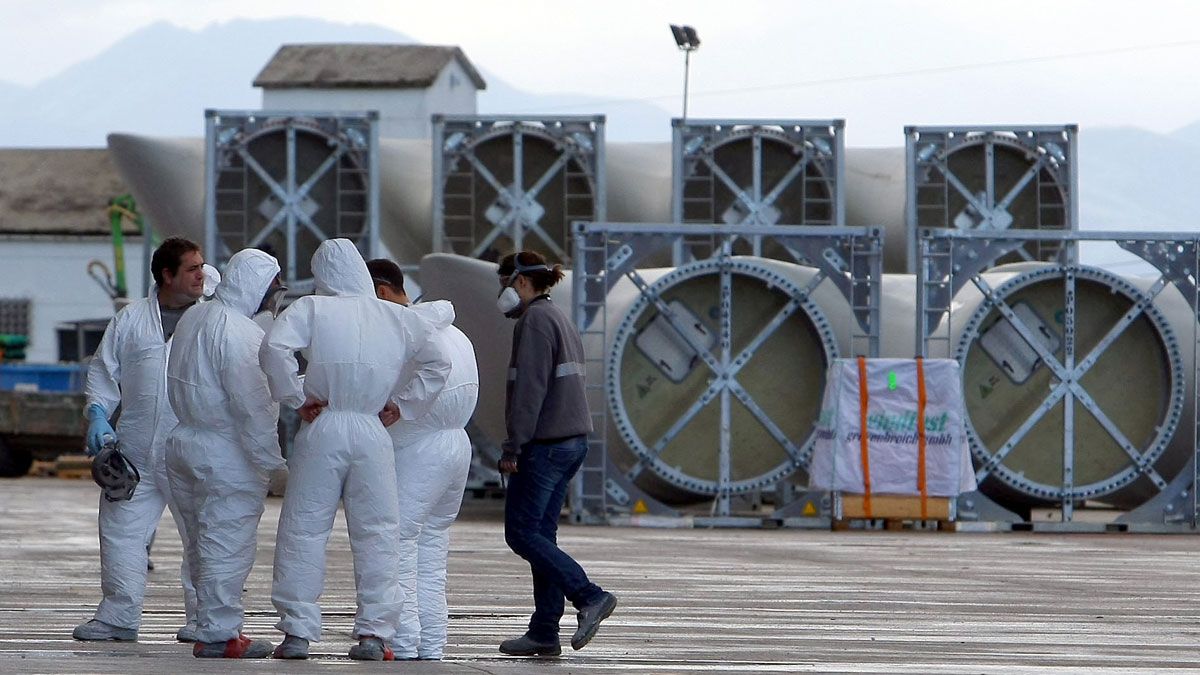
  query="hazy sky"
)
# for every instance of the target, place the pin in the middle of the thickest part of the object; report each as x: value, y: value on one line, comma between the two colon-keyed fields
x: 880, y: 64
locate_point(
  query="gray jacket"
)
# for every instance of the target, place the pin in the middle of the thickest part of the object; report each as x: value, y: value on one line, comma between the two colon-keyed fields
x: 545, y: 397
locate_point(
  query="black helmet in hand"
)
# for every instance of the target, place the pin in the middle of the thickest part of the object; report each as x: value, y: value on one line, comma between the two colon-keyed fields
x: 115, y: 474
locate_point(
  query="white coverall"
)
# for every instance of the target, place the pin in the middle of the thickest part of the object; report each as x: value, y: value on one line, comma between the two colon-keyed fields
x: 433, y: 457
x: 130, y: 369
x: 221, y: 454
x: 361, y: 351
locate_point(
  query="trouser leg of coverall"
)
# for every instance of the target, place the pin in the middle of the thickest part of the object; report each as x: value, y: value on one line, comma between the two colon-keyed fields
x: 185, y: 573
x: 432, y: 551
x: 534, y: 501
x: 229, y: 511
x: 413, y: 488
x: 305, y: 523
x: 431, y: 474
x: 181, y: 480
x: 373, y: 522
x: 125, y: 530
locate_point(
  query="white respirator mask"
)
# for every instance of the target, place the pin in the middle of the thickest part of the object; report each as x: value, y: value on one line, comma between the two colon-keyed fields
x: 509, y: 301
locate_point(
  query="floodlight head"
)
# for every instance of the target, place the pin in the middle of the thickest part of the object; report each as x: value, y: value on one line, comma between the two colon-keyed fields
x: 680, y: 36
x: 693, y: 40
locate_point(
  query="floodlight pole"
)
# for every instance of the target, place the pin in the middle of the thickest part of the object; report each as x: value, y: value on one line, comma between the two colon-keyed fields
x: 688, y: 41
x: 687, y: 62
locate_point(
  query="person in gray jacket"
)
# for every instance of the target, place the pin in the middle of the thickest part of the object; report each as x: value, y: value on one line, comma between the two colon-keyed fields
x: 547, y: 421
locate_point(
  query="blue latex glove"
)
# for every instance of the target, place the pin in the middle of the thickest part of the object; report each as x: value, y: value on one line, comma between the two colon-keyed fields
x: 98, y: 429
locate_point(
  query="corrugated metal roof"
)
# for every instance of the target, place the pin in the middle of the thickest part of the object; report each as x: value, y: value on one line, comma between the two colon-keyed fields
x: 63, y: 191
x: 383, y: 66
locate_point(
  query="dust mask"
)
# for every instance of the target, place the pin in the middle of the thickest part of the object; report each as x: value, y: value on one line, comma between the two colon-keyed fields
x: 509, y: 302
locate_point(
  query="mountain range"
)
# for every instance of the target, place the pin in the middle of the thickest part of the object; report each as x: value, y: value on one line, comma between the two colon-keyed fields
x: 1130, y: 178
x: 131, y: 86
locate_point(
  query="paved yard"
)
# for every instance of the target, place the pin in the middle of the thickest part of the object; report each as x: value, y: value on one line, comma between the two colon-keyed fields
x: 691, y: 600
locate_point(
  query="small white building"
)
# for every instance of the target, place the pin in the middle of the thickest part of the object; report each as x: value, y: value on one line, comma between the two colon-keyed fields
x: 53, y: 223
x: 405, y: 83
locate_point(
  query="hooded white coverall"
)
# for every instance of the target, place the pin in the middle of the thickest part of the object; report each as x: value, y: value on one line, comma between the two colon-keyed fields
x: 130, y: 369
x: 433, y: 457
x: 221, y: 454
x: 361, y: 351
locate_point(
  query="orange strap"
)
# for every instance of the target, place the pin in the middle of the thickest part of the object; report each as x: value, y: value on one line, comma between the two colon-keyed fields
x: 921, y: 484
x: 863, y: 401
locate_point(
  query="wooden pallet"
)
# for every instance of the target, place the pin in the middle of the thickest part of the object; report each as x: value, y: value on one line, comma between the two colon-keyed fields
x: 897, y: 512
x: 42, y: 468
x: 73, y: 466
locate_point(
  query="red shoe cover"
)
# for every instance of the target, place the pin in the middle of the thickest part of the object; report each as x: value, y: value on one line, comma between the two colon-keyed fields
x: 235, y: 648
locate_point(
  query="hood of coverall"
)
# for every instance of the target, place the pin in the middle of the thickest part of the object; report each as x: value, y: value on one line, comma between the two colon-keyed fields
x: 246, y: 279
x: 339, y: 270
x: 212, y: 279
x: 439, y: 313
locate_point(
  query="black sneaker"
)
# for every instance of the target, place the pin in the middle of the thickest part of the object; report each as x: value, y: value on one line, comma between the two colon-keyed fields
x: 590, y: 617
x: 527, y: 646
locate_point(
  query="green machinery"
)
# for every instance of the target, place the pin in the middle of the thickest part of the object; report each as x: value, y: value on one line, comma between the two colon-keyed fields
x: 46, y: 423
x: 120, y: 209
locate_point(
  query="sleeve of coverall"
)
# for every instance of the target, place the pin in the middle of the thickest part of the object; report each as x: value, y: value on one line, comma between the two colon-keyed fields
x: 535, y: 366
x: 277, y: 356
x: 255, y: 415
x: 422, y: 380
x: 104, y: 373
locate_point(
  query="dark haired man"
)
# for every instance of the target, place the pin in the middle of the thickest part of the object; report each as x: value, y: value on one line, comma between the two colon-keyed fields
x: 129, y: 370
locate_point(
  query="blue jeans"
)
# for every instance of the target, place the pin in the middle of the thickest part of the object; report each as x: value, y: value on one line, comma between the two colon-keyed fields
x: 534, y: 501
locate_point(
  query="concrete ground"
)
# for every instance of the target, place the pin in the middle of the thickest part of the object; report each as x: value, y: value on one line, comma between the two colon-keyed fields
x: 691, y: 600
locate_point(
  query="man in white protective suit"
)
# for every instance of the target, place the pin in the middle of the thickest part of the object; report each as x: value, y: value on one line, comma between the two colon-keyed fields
x: 362, y: 353
x: 433, y: 458
x: 129, y: 370
x: 222, y: 453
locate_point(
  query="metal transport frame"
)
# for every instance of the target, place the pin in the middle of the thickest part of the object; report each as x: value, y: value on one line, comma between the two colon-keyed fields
x: 516, y: 212
x: 818, y: 145
x: 1049, y: 150
x: 948, y: 260
x: 851, y: 258
x: 352, y: 160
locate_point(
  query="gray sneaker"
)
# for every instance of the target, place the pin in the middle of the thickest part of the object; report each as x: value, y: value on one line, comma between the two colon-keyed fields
x: 590, y: 617
x: 292, y: 647
x: 371, y: 648
x: 187, y: 633
x: 527, y: 646
x: 240, y: 647
x: 98, y: 630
